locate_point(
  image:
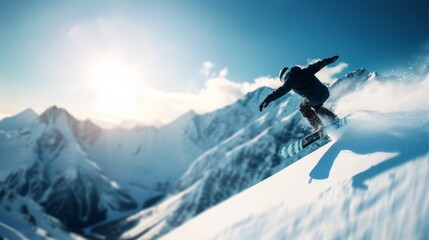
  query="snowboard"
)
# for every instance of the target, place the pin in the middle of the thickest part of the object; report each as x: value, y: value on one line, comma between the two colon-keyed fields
x: 293, y: 149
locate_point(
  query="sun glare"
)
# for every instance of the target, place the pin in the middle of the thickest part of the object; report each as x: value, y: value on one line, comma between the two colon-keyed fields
x: 116, y: 85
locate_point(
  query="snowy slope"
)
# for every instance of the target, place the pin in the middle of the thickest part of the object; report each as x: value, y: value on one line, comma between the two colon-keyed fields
x: 237, y: 162
x: 369, y: 183
x: 189, y: 165
x: 22, y: 218
x: 389, y: 132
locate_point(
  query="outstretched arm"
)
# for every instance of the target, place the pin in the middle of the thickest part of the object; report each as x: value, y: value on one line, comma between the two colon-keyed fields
x: 278, y: 93
x: 315, y: 67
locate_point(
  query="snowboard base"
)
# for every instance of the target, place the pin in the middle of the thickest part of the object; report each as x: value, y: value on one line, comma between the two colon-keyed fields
x: 291, y: 150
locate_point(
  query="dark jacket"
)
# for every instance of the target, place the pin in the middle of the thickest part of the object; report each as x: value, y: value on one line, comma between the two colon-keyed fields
x: 304, y: 83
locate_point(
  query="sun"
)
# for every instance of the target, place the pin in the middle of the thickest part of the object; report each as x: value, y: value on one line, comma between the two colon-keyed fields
x: 116, y: 86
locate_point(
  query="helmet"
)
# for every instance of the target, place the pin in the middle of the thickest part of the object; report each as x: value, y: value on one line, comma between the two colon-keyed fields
x: 294, y: 70
x: 283, y: 73
x: 286, y: 72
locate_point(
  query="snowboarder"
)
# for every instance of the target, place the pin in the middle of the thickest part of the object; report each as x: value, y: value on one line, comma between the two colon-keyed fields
x: 304, y: 83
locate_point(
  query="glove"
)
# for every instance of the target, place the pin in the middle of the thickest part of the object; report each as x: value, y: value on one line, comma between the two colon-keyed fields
x: 333, y: 59
x: 263, y: 105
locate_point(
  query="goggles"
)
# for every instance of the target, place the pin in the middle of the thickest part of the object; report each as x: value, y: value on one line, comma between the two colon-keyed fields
x: 284, y: 76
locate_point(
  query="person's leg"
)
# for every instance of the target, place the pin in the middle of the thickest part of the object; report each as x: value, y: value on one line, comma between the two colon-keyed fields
x: 326, y: 113
x: 310, y: 115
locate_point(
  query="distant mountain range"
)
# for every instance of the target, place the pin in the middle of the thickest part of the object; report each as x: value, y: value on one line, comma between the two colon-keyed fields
x: 145, y: 181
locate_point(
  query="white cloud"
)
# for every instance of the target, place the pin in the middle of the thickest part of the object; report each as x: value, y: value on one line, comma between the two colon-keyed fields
x: 262, y: 82
x: 327, y: 73
x: 223, y: 73
x: 161, y: 106
x: 206, y: 68
x: 218, y: 90
x: 216, y: 93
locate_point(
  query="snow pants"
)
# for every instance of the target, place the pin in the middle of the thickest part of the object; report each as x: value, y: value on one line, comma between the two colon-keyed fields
x: 312, y: 115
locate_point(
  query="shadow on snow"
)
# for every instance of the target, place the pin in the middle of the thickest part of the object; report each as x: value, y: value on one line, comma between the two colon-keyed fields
x: 408, y: 143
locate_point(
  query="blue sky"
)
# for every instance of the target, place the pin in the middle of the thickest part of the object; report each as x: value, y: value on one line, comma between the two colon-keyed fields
x: 49, y: 49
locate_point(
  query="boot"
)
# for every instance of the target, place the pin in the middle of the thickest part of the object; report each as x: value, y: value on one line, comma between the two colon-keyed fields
x: 311, y: 116
x: 326, y: 113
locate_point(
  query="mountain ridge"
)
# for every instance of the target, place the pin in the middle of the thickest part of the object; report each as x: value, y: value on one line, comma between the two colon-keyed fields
x: 236, y: 162
x: 204, y: 158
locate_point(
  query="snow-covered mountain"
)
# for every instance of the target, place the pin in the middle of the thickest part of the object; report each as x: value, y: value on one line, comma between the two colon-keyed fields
x: 25, y: 117
x: 146, y: 181
x: 43, y: 160
x: 369, y: 183
x: 350, y: 82
x: 86, y: 176
x: 237, y: 162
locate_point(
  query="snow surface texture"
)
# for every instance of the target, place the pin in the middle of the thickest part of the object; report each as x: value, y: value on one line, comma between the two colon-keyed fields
x: 369, y: 183
x: 388, y: 139
x: 238, y: 162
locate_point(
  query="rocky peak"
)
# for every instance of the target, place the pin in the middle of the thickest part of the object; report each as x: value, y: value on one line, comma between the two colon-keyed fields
x: 357, y: 73
x: 53, y: 114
